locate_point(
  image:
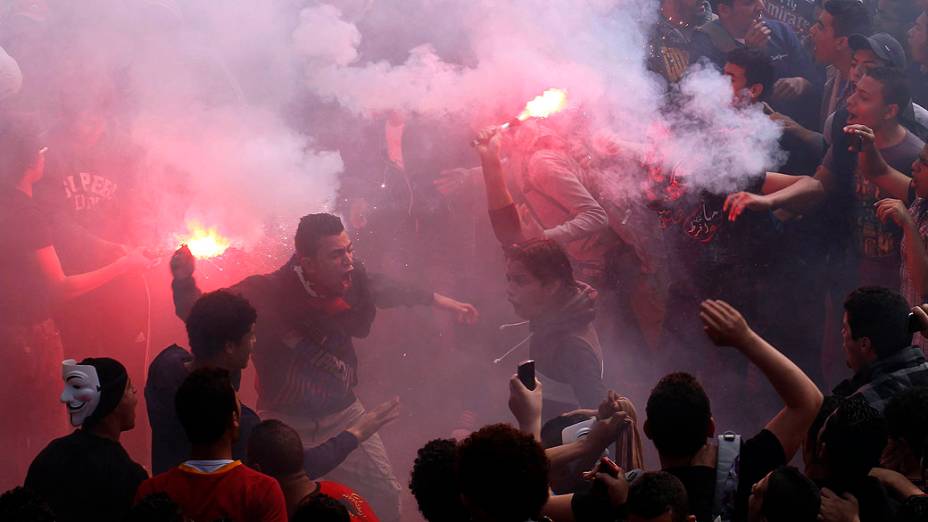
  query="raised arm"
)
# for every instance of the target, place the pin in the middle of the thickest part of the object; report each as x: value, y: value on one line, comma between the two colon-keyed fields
x: 874, y: 166
x: 726, y: 327
x: 184, y: 286
x: 796, y: 194
x: 64, y: 287
x: 916, y: 255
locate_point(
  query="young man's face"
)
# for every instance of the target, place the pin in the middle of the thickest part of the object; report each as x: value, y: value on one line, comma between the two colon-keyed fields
x: 694, y: 11
x: 741, y: 14
x: 920, y: 173
x: 861, y: 61
x: 854, y: 349
x: 867, y: 107
x: 329, y: 270
x: 825, y: 45
x: 239, y: 353
x: 529, y: 297
x: 918, y: 39
x: 741, y: 91
x: 125, y: 410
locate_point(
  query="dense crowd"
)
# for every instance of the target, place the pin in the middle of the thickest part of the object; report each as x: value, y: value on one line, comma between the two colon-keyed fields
x: 745, y: 293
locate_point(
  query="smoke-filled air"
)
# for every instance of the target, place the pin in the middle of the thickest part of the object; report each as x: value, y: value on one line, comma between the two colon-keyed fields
x: 377, y: 223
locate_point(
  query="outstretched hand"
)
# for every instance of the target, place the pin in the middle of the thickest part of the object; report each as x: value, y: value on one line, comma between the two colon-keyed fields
x: 372, y: 420
x: 735, y: 204
x: 724, y: 325
x: 466, y: 313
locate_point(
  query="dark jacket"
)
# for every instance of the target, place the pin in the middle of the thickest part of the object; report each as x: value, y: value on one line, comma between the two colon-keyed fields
x: 567, y: 354
x: 85, y: 477
x: 882, y: 380
x: 305, y: 357
x: 169, y: 445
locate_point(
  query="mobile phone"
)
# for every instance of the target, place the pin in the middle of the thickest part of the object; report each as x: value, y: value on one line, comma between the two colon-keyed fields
x: 526, y: 374
x: 914, y: 324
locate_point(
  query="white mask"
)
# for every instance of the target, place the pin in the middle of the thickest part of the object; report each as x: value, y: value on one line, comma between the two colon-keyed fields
x: 81, y: 390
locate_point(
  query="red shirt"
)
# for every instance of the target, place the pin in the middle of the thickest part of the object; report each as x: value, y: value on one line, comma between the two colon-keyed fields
x: 234, y: 491
x: 358, y: 508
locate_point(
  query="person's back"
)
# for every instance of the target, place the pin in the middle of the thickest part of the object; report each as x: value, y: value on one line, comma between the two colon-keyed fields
x: 220, y: 329
x: 719, y: 478
x: 211, y: 485
x: 88, y: 474
x: 276, y: 449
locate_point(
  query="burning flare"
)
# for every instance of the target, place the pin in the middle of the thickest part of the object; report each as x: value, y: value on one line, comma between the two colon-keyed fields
x: 550, y: 102
x: 204, y: 243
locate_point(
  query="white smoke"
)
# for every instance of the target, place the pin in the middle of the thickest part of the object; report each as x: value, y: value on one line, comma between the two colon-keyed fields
x: 514, y: 50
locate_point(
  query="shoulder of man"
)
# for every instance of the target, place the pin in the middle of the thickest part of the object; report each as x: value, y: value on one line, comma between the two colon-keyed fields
x: 167, y: 367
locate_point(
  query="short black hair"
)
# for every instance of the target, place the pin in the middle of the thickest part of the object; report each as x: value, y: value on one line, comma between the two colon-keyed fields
x: 849, y: 17
x: 914, y: 509
x: 657, y: 492
x: 678, y: 415
x: 503, y: 473
x: 880, y: 314
x: 757, y: 65
x: 24, y: 505
x: 854, y: 437
x: 157, y: 507
x: 218, y: 318
x: 434, y: 484
x: 895, y: 86
x: 907, y: 418
x: 276, y: 448
x: 20, y: 142
x: 791, y: 497
x: 320, y: 508
x: 205, y: 405
x: 544, y: 259
x: 314, y: 227
x: 551, y: 431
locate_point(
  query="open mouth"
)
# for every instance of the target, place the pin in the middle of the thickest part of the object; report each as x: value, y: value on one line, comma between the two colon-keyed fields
x: 75, y: 407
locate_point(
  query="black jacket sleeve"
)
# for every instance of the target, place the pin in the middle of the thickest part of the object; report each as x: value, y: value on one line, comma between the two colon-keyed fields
x: 185, y: 293
x: 327, y: 456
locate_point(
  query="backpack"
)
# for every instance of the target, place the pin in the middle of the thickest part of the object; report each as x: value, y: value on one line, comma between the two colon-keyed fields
x: 726, y: 476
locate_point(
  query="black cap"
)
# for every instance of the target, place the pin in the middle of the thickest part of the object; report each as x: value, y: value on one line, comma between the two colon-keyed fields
x: 113, y: 378
x: 884, y: 46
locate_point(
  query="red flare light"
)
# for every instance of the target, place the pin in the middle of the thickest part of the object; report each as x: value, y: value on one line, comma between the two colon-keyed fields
x: 203, y: 242
x: 550, y: 102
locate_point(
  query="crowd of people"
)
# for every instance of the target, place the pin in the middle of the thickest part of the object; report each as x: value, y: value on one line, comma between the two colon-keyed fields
x: 742, y: 295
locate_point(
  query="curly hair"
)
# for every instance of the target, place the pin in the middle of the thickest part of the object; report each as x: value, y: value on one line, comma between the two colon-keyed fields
x: 657, y: 492
x: 907, y: 418
x: 433, y: 482
x: 24, y: 505
x: 321, y: 508
x: 679, y: 415
x: 854, y: 437
x: 503, y: 473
